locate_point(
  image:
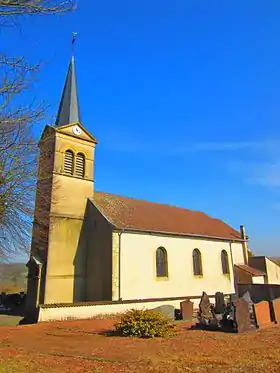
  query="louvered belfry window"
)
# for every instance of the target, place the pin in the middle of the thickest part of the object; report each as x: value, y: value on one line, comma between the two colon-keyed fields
x: 69, y: 162
x: 80, y: 165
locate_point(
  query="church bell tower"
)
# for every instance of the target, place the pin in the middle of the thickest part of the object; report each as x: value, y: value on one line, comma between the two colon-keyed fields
x: 65, y: 183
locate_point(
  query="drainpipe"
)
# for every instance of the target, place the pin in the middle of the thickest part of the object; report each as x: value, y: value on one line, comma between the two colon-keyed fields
x: 233, y: 271
x: 119, y: 274
x: 245, y: 243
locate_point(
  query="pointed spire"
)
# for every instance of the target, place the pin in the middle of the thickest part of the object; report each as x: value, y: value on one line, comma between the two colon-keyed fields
x: 69, y: 110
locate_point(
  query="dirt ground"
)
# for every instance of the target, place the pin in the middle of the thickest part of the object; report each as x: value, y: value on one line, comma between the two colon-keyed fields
x: 84, y: 346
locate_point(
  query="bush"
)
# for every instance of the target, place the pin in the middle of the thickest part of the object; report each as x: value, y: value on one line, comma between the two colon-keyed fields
x: 145, y: 324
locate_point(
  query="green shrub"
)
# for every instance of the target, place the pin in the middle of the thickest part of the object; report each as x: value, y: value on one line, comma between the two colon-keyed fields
x: 145, y: 324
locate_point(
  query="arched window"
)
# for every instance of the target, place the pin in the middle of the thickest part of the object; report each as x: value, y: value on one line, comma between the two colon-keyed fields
x: 69, y: 162
x: 161, y: 262
x: 80, y: 165
x: 197, y: 263
x: 225, y: 265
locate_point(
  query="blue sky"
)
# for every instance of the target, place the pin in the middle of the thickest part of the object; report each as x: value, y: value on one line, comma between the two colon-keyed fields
x: 183, y: 97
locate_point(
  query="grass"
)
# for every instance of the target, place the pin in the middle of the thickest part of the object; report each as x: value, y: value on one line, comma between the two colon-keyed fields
x: 7, y: 320
x: 82, y: 346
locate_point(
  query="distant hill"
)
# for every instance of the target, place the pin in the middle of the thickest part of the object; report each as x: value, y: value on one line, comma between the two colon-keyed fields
x: 13, y: 277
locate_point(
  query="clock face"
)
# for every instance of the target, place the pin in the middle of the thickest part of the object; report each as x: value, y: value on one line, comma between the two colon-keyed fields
x: 77, y: 130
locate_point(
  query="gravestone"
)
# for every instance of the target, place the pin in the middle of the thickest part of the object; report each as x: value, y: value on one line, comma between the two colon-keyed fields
x: 276, y: 310
x: 262, y: 314
x: 177, y: 314
x: 233, y: 298
x: 205, y: 310
x: 242, y: 315
x: 246, y: 296
x: 186, y: 309
x: 248, y: 299
x: 167, y: 310
x: 219, y: 303
x: 3, y: 298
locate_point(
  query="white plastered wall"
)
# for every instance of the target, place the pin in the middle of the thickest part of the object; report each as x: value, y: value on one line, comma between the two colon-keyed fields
x: 258, y: 279
x: 91, y: 311
x: 273, y: 272
x: 138, y: 270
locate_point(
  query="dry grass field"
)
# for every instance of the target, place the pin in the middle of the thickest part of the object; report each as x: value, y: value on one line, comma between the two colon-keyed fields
x: 84, y: 346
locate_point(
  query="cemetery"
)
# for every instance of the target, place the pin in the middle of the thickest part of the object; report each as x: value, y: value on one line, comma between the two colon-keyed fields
x: 231, y: 334
x: 237, y: 315
x: 228, y: 314
x: 84, y: 346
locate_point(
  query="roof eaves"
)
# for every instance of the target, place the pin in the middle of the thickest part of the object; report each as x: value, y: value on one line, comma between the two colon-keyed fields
x: 136, y: 230
x: 274, y: 261
x: 61, y: 128
x: 251, y: 270
x: 105, y: 217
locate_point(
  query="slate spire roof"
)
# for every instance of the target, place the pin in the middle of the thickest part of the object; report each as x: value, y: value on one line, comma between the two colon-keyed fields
x: 69, y: 110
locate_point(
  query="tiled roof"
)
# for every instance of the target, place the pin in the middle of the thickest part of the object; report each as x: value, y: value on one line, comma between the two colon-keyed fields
x: 130, y: 213
x: 252, y: 271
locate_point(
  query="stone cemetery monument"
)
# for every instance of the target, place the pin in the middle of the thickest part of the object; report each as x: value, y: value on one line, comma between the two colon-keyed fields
x: 236, y: 316
x: 262, y: 314
x: 167, y: 310
x: 205, y: 315
x: 242, y: 315
x: 233, y: 298
x: 186, y: 310
x: 246, y: 296
x: 275, y: 305
x: 219, y: 308
x: 219, y: 303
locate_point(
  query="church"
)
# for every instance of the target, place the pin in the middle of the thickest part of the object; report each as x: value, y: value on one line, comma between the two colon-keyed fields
x: 91, y: 246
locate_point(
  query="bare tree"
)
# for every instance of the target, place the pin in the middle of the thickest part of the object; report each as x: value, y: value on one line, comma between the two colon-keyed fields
x: 18, y: 156
x: 10, y: 8
x: 18, y: 148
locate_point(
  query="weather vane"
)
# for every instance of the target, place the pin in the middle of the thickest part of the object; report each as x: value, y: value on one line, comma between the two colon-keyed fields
x: 74, y: 36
